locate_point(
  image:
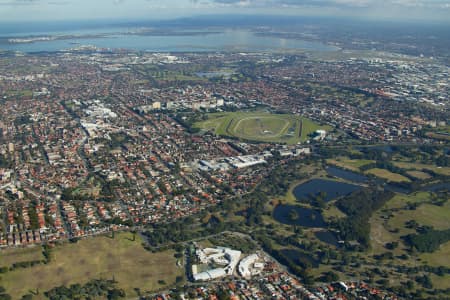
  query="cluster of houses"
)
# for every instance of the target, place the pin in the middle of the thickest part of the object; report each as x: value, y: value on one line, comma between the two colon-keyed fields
x: 272, y: 283
x: 145, y: 163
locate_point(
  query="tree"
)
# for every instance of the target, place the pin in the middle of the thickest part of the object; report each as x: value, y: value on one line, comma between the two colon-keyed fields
x: 391, y: 245
x: 179, y: 279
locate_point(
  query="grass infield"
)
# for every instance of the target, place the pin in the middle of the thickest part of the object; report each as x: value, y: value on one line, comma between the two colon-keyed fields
x: 261, y: 126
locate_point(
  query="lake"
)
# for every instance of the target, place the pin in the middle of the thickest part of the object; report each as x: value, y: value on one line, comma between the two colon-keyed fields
x: 333, y: 189
x: 437, y: 187
x: 222, y: 41
x: 347, y: 175
x: 305, y: 217
x: 327, y: 237
x: 299, y: 257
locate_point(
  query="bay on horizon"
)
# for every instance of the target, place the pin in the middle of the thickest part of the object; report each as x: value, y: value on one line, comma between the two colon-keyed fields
x: 206, y: 41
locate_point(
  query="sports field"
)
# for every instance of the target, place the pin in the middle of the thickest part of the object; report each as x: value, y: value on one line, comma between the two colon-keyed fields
x: 261, y: 126
x: 102, y: 257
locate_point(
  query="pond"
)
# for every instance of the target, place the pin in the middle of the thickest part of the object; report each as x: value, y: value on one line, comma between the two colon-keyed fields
x: 300, y: 258
x: 333, y: 189
x: 296, y: 215
x: 384, y: 148
x: 327, y: 237
x: 437, y: 187
x: 396, y: 189
x: 347, y: 175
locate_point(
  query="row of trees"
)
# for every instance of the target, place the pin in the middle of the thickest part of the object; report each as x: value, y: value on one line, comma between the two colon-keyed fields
x: 46, y: 252
x: 97, y: 288
x: 3, y: 294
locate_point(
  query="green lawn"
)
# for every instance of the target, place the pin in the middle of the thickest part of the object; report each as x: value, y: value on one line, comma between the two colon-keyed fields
x: 389, y: 176
x: 265, y: 127
x: 400, y: 200
x: 101, y: 257
x: 379, y: 226
x: 417, y: 166
x: 379, y: 235
x: 419, y: 175
x: 425, y: 214
x: 440, y: 282
x: 382, y: 229
x: 309, y: 127
x: 19, y: 93
x: 332, y: 213
x: 261, y: 126
x: 350, y: 164
x: 438, y: 258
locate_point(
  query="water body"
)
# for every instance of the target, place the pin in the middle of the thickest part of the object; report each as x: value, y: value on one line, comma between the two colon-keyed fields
x: 397, y: 189
x: 304, y: 216
x: 384, y: 148
x: 347, y: 175
x: 299, y: 257
x: 333, y: 189
x: 327, y: 237
x: 438, y: 187
x: 223, y: 41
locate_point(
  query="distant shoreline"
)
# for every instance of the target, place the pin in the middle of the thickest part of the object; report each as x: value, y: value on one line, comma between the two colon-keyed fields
x: 165, y: 40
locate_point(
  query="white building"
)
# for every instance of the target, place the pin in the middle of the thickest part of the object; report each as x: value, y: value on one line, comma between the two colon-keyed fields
x: 249, y: 266
x: 210, y: 275
x: 226, y: 257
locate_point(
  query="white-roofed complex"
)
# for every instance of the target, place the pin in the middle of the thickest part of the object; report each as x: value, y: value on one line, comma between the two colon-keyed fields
x: 226, y: 257
x: 210, y: 275
x: 249, y: 266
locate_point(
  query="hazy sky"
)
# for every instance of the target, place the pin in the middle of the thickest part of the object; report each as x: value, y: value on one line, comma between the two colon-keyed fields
x: 30, y: 10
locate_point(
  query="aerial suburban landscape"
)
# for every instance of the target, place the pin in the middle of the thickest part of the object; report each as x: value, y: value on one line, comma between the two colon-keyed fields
x: 228, y: 157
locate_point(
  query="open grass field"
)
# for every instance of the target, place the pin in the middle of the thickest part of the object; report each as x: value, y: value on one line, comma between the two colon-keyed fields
x: 438, y: 258
x: 11, y: 256
x: 379, y: 236
x: 174, y: 76
x: 418, y: 167
x: 100, y: 257
x: 261, y: 126
x: 401, y: 200
x: 389, y: 176
x: 425, y: 214
x: 21, y: 93
x: 440, y: 282
x: 350, y: 164
x: 381, y: 228
x: 386, y: 230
